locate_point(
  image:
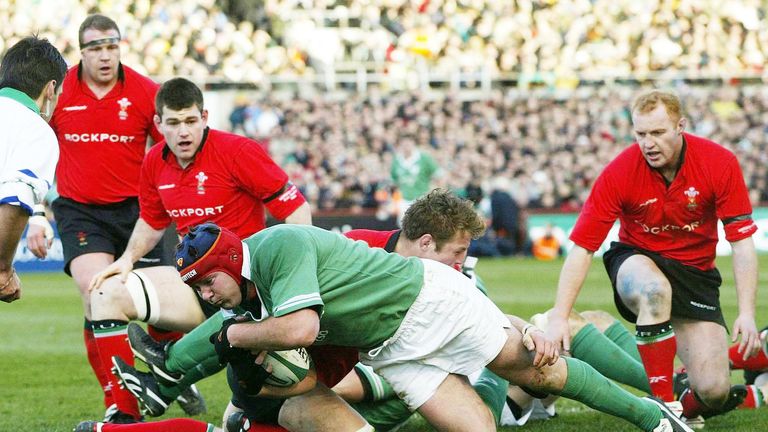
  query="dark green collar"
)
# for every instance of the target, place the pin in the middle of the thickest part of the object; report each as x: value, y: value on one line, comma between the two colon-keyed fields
x: 20, y: 97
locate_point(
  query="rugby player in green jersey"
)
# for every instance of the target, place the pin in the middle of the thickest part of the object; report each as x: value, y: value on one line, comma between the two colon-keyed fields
x: 418, y: 323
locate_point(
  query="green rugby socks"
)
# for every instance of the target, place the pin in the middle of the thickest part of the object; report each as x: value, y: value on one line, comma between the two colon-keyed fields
x: 624, y: 339
x: 587, y: 386
x: 608, y: 358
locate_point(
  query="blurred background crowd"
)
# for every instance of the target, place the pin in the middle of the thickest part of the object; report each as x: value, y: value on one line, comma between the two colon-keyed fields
x: 549, y: 149
x: 541, y: 148
x: 242, y: 40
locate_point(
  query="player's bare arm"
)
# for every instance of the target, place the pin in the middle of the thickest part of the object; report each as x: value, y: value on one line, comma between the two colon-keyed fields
x: 572, y: 277
x: 301, y: 387
x: 297, y: 329
x: 745, y: 276
x: 143, y: 239
x: 302, y: 215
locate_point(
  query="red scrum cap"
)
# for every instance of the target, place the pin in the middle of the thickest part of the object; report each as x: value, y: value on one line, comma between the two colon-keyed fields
x: 208, y: 248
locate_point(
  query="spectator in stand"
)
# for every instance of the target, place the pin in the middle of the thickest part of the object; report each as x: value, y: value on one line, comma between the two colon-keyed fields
x: 413, y: 172
x: 505, y: 218
x: 547, y: 246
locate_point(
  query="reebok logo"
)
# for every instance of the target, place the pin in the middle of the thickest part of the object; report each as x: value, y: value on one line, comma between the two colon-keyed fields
x: 657, y: 379
x: 650, y: 201
x: 75, y: 108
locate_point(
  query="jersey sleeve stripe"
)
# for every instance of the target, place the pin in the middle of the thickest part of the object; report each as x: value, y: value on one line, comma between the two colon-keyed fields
x: 28, y: 172
x: 14, y: 200
x: 304, y: 300
x: 278, y: 193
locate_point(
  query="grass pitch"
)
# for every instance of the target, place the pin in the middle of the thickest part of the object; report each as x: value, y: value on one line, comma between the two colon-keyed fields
x: 46, y: 383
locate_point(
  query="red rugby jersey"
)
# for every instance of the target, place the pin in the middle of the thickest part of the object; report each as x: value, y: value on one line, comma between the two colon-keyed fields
x: 679, y: 221
x: 386, y: 240
x: 103, y: 141
x: 229, y: 183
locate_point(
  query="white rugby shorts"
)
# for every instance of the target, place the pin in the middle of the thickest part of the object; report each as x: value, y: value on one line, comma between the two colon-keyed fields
x: 451, y: 327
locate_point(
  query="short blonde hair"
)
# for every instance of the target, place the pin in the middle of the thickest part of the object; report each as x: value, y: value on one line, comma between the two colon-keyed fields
x: 649, y: 100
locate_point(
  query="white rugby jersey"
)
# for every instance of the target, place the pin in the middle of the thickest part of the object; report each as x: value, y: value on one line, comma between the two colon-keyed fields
x: 28, y: 151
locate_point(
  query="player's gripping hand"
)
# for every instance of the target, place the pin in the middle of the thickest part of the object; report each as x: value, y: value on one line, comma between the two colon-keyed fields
x: 10, y: 286
x: 39, y: 235
x: 224, y: 350
x: 250, y: 373
x: 121, y: 268
x: 751, y: 342
x: 558, y: 331
x: 546, y: 351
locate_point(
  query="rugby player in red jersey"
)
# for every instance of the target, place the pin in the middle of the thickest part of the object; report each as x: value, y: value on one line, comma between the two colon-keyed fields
x: 197, y: 174
x: 669, y: 190
x: 103, y: 123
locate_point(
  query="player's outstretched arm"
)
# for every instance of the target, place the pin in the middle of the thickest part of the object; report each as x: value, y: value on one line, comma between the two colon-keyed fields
x: 572, y: 277
x: 745, y: 276
x: 143, y: 239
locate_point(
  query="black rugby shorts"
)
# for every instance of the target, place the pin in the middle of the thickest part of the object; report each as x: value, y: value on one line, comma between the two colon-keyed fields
x: 88, y: 228
x: 695, y: 293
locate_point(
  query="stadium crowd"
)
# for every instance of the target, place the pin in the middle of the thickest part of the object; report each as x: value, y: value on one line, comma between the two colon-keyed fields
x: 551, y: 148
x: 244, y: 40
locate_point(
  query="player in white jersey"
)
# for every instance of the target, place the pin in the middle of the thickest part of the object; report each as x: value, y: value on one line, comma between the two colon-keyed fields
x: 30, y: 76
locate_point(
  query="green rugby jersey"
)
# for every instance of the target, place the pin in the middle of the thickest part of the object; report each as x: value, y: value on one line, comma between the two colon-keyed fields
x: 361, y: 293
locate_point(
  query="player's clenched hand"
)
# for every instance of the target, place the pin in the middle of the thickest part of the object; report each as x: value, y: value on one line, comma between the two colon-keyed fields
x: 750, y: 339
x: 121, y: 268
x: 546, y: 352
x: 558, y: 331
x: 249, y: 372
x: 10, y: 286
x: 39, y: 236
x: 224, y: 350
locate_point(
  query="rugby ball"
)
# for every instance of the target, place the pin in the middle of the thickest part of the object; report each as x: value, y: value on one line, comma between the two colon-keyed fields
x: 288, y: 367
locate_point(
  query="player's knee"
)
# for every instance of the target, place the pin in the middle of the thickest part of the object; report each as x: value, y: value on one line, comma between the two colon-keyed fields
x: 576, y: 322
x: 83, y: 284
x: 111, y: 301
x: 548, y: 379
x: 654, y: 294
x: 713, y: 392
x: 600, y: 319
